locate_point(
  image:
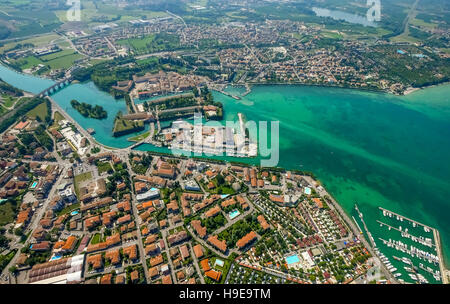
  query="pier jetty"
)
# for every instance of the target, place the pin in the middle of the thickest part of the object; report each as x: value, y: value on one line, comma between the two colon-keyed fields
x: 228, y: 94
x: 248, y: 90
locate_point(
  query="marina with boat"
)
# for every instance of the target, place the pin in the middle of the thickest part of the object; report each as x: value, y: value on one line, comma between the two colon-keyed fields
x: 409, y: 250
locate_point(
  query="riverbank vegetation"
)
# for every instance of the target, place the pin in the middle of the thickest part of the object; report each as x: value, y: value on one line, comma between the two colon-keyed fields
x: 6, y: 88
x: 87, y: 110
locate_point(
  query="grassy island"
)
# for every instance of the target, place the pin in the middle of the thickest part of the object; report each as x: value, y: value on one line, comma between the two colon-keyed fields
x: 87, y: 110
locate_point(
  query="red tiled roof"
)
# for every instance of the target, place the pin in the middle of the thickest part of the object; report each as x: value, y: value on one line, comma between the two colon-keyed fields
x: 244, y: 241
x: 215, y: 275
x: 198, y: 251
x: 263, y: 222
x: 197, y: 225
x: 205, y: 265
x: 221, y: 245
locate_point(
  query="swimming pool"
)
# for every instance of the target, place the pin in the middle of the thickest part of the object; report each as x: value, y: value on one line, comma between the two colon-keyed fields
x: 233, y: 214
x: 55, y: 257
x: 74, y: 212
x: 292, y: 259
x: 219, y: 262
x: 224, y: 195
x: 34, y: 185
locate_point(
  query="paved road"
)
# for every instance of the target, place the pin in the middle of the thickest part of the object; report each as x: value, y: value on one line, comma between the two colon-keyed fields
x: 169, y: 259
x: 197, y: 268
x: 57, y: 107
x: 137, y: 219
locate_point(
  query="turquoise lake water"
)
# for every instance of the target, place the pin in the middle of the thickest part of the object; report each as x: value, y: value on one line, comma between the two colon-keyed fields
x: 375, y: 149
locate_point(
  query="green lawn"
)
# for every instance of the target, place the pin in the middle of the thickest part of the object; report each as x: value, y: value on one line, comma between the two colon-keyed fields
x: 58, y: 117
x: 56, y: 55
x: 122, y: 125
x: 137, y: 43
x: 59, y: 60
x: 40, y: 110
x: 404, y: 38
x: 8, y: 100
x: 139, y: 137
x: 28, y: 62
x: 152, y: 43
x: 331, y: 35
x: 103, y: 167
x: 64, y: 62
x: 97, y: 238
x: 37, y: 41
x: 420, y: 22
x: 79, y: 179
x: 69, y: 209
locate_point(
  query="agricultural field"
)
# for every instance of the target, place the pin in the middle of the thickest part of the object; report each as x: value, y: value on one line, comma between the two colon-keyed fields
x: 36, y: 41
x: 61, y: 60
x: 152, y: 43
x: 95, y: 12
x: 28, y: 18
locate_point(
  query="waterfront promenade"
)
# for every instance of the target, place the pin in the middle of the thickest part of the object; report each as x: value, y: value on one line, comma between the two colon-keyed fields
x: 57, y: 108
